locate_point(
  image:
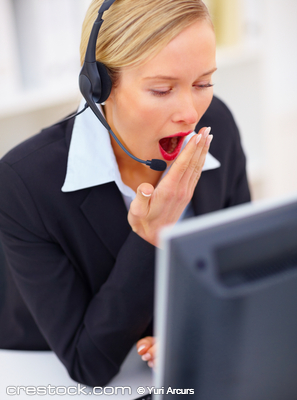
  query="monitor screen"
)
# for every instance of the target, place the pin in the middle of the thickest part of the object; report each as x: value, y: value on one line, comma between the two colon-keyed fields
x: 226, y: 305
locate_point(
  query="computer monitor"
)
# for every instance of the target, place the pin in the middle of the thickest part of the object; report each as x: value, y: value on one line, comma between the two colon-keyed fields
x: 226, y: 305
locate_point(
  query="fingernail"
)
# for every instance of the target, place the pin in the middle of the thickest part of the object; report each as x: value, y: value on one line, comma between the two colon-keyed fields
x: 198, y: 138
x: 206, y: 132
x: 146, y: 195
x: 141, y: 348
x: 146, y: 357
x: 209, y: 139
x: 150, y: 364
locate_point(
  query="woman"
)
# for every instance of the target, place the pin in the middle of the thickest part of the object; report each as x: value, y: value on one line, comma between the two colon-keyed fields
x: 79, y: 219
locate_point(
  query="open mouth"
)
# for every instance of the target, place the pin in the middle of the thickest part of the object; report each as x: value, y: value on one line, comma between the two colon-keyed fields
x: 171, y: 146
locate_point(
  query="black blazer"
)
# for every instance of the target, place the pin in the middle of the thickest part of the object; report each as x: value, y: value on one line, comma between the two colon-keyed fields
x: 78, y: 280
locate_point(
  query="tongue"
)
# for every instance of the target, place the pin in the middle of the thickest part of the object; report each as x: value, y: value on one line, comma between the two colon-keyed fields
x: 165, y: 144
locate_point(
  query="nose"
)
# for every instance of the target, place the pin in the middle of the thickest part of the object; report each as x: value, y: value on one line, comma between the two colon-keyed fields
x: 186, y: 110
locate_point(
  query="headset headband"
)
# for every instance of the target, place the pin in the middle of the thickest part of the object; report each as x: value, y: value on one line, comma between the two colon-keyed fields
x: 95, y: 85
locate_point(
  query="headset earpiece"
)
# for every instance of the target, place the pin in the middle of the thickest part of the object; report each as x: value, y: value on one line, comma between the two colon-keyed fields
x: 95, y: 82
x: 106, y: 83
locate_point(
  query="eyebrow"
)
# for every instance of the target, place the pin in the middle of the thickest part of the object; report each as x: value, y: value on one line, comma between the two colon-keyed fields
x: 171, y: 78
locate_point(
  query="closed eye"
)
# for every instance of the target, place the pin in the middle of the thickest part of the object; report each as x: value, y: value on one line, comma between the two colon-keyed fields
x: 160, y: 93
x: 205, y: 86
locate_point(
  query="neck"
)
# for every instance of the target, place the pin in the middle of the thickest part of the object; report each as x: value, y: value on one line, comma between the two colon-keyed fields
x: 132, y: 172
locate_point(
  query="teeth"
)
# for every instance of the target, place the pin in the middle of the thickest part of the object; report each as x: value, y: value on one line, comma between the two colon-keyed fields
x: 173, y: 144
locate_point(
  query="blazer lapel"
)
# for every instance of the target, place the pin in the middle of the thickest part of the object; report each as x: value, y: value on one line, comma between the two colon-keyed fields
x: 106, y: 212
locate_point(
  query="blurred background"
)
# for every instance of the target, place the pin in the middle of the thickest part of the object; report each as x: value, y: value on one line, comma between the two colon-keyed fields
x: 256, y: 77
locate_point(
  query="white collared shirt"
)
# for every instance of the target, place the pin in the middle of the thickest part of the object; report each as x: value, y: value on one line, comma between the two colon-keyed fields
x: 91, y: 160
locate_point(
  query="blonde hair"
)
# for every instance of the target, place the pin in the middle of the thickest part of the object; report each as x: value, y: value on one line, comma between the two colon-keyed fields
x: 136, y: 30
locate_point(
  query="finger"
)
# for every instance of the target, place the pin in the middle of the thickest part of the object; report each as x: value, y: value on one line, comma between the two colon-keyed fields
x: 152, y: 351
x: 200, y: 163
x: 150, y: 354
x: 200, y: 146
x: 185, y: 159
x: 153, y: 364
x: 140, y: 205
x: 144, y: 344
x: 196, y: 163
x: 146, y: 189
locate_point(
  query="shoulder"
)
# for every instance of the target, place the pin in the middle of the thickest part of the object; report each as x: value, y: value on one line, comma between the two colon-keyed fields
x: 226, y: 137
x: 226, y: 185
x: 40, y: 160
x: 217, y: 105
x: 32, y: 173
x: 36, y: 147
x: 220, y: 118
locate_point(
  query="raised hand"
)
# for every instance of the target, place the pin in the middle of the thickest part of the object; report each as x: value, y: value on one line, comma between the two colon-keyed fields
x: 154, y: 208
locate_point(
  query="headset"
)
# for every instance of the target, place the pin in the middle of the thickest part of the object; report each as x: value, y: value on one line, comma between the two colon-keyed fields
x: 95, y: 85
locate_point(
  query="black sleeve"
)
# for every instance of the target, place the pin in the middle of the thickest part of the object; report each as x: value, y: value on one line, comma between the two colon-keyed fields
x: 91, y: 335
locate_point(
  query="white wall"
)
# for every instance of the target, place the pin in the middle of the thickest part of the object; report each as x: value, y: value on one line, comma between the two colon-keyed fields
x: 257, y: 79
x: 260, y: 87
x: 279, y: 98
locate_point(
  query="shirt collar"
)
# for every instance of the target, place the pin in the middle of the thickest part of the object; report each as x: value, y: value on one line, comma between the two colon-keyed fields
x: 91, y: 160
